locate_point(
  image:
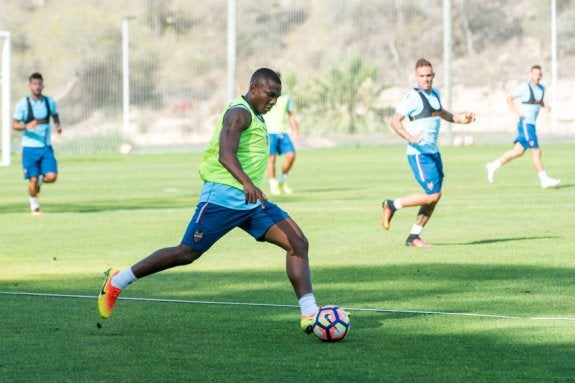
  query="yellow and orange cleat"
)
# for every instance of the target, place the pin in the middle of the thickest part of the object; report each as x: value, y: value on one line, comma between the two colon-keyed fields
x: 306, y: 323
x: 108, y: 295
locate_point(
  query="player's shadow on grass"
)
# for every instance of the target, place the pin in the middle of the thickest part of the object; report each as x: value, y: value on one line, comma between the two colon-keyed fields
x: 496, y: 240
x: 102, y: 206
x: 564, y: 186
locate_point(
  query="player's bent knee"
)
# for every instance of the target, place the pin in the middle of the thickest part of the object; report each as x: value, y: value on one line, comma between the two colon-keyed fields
x: 186, y: 255
x: 433, y: 198
x: 301, y: 247
x: 50, y: 177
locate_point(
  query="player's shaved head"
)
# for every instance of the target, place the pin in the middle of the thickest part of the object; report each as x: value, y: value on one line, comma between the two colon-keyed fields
x: 264, y: 74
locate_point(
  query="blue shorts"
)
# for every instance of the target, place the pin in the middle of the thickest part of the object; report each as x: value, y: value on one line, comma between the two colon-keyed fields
x: 526, y: 135
x: 428, y: 171
x: 280, y: 143
x: 38, y: 161
x: 211, y: 222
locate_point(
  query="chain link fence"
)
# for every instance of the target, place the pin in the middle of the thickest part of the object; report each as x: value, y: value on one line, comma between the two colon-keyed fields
x: 346, y: 64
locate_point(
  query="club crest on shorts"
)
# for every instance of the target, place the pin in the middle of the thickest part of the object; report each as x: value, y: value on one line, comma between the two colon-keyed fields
x: 430, y: 185
x: 198, y: 235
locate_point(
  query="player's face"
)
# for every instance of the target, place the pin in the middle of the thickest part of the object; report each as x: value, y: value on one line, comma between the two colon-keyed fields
x: 264, y: 94
x: 424, y: 76
x: 36, y: 86
x: 536, y: 75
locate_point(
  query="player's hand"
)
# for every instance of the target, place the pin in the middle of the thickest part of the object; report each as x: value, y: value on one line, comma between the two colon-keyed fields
x: 59, y: 129
x: 415, y: 139
x: 253, y: 194
x: 468, y: 117
x: 296, y: 139
x: 31, y: 125
x: 521, y: 117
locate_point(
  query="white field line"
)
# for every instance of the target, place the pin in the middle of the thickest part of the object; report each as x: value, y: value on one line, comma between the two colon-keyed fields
x: 290, y: 306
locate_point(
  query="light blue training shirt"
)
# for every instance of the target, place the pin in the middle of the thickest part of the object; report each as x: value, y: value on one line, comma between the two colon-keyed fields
x: 225, y: 196
x: 522, y: 94
x: 412, y: 105
x: 40, y: 136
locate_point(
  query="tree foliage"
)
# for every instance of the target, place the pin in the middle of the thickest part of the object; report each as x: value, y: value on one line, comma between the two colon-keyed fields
x: 343, y: 98
x: 340, y: 53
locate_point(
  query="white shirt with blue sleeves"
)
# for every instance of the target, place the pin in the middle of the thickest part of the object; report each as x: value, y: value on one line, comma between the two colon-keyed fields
x: 40, y: 136
x: 412, y: 105
x: 522, y: 94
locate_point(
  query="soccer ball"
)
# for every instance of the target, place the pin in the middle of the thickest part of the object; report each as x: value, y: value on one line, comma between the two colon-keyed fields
x: 457, y: 141
x: 330, y: 324
x: 126, y: 149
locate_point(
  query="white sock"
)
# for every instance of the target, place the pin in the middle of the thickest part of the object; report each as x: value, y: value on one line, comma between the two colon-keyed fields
x: 496, y: 164
x: 273, y: 181
x: 34, y: 204
x: 123, y: 278
x: 416, y: 229
x: 283, y: 178
x: 397, y: 204
x: 542, y: 175
x: 307, y: 305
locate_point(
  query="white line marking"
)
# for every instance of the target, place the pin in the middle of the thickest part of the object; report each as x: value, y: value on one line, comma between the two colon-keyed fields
x: 288, y: 306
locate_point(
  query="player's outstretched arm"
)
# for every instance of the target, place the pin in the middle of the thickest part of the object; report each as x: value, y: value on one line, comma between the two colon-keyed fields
x: 458, y: 118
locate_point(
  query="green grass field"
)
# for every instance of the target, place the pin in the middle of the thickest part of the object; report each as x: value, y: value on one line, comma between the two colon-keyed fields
x: 504, y: 249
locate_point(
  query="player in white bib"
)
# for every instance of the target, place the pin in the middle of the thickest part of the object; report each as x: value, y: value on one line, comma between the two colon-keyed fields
x: 422, y: 105
x: 530, y: 96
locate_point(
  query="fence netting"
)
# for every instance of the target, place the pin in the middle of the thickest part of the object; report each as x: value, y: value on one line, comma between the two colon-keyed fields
x: 345, y: 63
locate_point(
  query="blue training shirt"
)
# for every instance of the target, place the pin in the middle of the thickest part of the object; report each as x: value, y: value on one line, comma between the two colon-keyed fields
x: 40, y: 136
x: 522, y: 94
x: 412, y: 105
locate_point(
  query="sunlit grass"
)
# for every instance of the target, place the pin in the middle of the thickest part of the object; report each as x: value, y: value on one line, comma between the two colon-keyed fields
x: 502, y: 249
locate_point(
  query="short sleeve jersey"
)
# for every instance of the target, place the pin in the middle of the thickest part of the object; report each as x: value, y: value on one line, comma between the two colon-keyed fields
x: 277, y: 117
x: 522, y: 94
x: 40, y: 136
x: 412, y: 105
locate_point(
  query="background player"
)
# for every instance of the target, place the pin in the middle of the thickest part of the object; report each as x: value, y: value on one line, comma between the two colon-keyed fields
x: 32, y: 116
x: 277, y: 120
x: 423, y: 107
x: 531, y: 100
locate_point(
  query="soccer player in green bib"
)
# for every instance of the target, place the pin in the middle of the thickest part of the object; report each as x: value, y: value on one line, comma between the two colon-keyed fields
x: 232, y: 170
x: 277, y: 121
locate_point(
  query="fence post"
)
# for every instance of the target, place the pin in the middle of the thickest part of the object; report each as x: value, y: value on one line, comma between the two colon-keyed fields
x: 447, y: 46
x: 554, y: 83
x: 231, y: 49
x: 5, y: 123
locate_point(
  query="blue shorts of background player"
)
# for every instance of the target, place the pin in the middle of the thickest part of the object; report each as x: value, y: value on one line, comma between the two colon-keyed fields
x: 428, y: 171
x: 280, y: 143
x: 38, y: 161
x: 211, y: 222
x: 526, y: 135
